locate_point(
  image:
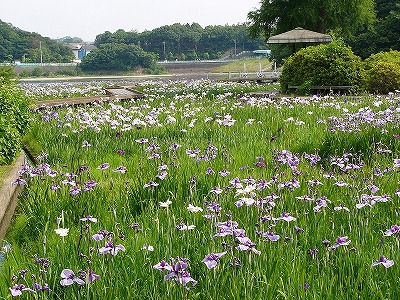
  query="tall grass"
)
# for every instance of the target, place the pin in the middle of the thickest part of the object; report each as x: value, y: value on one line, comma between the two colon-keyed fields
x: 239, y: 159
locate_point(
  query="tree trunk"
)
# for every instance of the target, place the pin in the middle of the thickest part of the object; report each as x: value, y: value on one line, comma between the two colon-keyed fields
x: 321, y: 20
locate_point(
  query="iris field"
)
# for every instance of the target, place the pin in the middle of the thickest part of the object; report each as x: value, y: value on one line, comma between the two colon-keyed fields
x: 201, y: 191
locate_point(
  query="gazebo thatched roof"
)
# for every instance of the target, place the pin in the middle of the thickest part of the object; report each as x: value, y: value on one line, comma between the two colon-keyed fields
x: 299, y: 35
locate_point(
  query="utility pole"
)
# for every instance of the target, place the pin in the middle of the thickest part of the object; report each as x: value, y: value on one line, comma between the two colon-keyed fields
x: 165, y: 57
x: 41, y: 52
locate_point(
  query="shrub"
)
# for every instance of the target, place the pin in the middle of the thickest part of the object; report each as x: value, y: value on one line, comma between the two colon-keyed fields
x: 323, y: 65
x: 383, y: 78
x: 391, y: 56
x: 14, y: 120
x: 383, y: 72
x: 6, y: 73
x: 37, y: 72
x: 9, y: 141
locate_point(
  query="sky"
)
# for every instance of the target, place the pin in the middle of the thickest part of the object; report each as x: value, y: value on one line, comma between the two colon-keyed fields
x: 87, y: 18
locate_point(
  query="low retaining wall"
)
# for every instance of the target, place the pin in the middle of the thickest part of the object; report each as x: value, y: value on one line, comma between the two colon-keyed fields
x: 9, y: 196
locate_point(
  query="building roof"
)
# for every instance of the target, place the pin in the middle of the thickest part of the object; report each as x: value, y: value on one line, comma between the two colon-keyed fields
x: 299, y: 35
x: 74, y: 46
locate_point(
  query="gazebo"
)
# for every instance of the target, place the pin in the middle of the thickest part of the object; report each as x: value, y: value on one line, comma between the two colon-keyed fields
x: 299, y: 35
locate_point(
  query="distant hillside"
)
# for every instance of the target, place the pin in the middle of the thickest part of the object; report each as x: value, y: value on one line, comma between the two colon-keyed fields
x: 68, y: 39
x: 17, y: 44
x: 187, y: 41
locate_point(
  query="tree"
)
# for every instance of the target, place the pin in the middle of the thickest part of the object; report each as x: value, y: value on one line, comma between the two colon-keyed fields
x: 118, y: 57
x: 187, y: 40
x: 16, y: 43
x: 385, y: 34
x: 343, y: 17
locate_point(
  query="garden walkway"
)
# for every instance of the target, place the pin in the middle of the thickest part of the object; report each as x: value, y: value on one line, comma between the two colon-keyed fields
x: 8, y: 196
x: 112, y: 93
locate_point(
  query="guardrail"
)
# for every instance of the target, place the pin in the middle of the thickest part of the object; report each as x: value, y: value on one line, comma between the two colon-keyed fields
x: 73, y: 64
x: 246, y: 76
x: 161, y: 62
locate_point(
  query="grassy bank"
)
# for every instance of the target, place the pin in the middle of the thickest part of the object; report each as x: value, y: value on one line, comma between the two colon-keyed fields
x: 251, y: 65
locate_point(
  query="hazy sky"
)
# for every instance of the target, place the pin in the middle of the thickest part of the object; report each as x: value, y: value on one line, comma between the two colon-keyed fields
x: 87, y: 18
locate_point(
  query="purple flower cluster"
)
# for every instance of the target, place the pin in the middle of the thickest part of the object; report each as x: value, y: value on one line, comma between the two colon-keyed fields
x: 176, y: 270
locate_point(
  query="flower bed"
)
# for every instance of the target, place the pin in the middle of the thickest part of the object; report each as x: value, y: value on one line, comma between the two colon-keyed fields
x: 202, y: 191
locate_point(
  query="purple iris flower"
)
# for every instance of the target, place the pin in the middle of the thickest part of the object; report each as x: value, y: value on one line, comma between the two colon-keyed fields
x: 216, y: 190
x: 286, y: 217
x: 19, y: 181
x: 396, y: 163
x: 85, y: 144
x: 162, y: 175
x: 120, y: 169
x: 245, y: 244
x: 89, y: 185
x: 179, y: 274
x: 394, y: 230
x: 142, y: 141
x: 210, y: 171
x: 74, y: 191
x: 298, y: 229
x: 103, y: 166
x: 340, y: 241
x: 121, y: 152
x: 89, y: 218
x: 260, y: 164
x: 313, y: 252
x: 212, y: 259
x: 38, y: 287
x: 162, y: 265
x: 271, y: 236
x: 224, y: 173
x: 100, y: 235
x: 91, y: 276
x: 384, y: 262
x: 111, y: 249
x: 68, y: 278
x: 325, y: 242
x: 150, y: 184
x: 17, y: 290
x: 174, y: 146
x: 186, y: 278
x: 342, y: 207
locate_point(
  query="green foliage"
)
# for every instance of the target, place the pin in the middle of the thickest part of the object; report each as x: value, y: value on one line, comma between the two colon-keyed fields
x: 15, y: 44
x: 118, y: 57
x: 383, y: 72
x: 323, y: 65
x: 6, y: 73
x: 9, y: 140
x: 31, y: 146
x: 186, y: 42
x: 383, y: 78
x: 391, y: 56
x: 37, y: 72
x: 122, y: 204
x: 344, y: 17
x: 15, y: 117
x: 384, y: 35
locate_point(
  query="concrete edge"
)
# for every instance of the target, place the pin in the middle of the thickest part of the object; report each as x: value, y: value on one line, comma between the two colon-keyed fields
x: 9, y: 195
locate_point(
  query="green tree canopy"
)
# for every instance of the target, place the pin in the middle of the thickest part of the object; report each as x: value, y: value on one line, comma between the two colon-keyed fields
x: 385, y: 34
x: 118, y: 57
x: 17, y: 44
x: 188, y: 41
x: 341, y: 16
